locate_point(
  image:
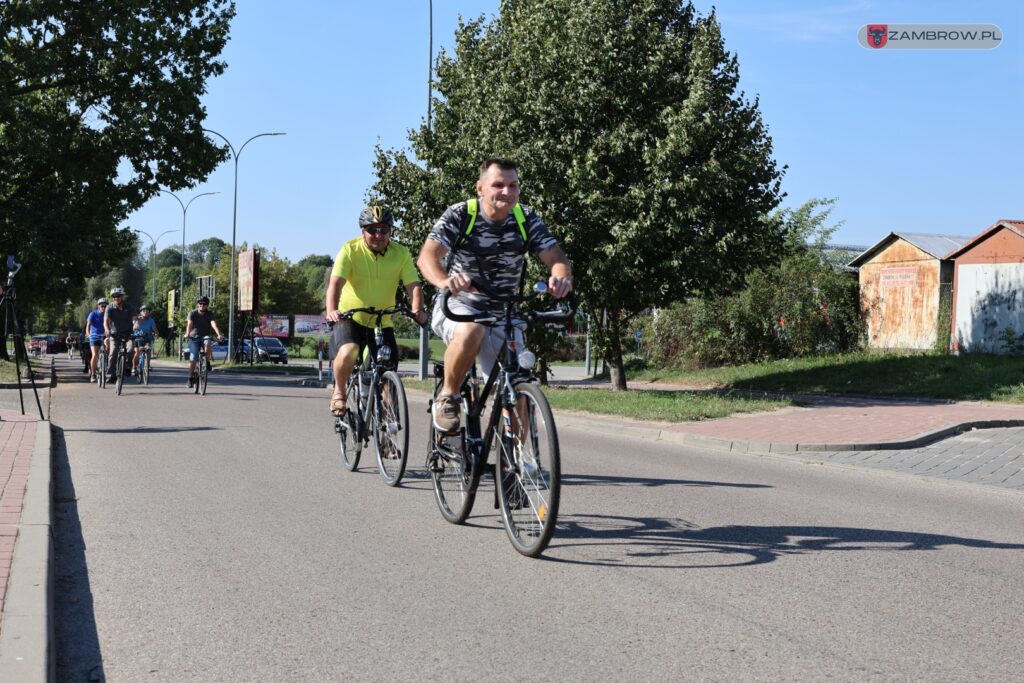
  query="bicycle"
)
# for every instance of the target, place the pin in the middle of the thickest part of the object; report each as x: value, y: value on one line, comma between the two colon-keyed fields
x: 527, y: 467
x: 120, y: 342
x: 201, y: 375
x: 145, y: 351
x: 101, y: 365
x: 376, y: 406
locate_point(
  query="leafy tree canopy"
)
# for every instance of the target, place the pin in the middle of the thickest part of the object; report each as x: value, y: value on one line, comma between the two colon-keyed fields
x: 99, y: 107
x: 634, y: 144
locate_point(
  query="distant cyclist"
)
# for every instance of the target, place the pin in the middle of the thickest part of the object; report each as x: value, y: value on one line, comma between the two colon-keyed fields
x: 93, y: 332
x: 118, y: 320
x: 199, y: 325
x: 145, y: 328
x: 366, y: 274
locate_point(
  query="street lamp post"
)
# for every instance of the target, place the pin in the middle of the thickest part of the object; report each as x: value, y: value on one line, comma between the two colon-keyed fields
x: 152, y: 298
x: 184, y: 214
x: 234, y: 226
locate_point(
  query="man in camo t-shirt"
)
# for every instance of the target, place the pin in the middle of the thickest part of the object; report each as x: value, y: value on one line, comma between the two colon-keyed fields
x: 493, y: 253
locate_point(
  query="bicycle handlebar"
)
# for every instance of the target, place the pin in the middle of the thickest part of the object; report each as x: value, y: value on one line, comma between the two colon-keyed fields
x: 380, y: 312
x: 554, y: 317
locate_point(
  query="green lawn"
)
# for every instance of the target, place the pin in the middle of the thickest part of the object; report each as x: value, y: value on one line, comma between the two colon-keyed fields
x: 966, y: 377
x: 647, y: 404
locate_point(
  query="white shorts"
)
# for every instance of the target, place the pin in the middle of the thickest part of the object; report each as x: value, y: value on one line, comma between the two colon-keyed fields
x: 492, y: 344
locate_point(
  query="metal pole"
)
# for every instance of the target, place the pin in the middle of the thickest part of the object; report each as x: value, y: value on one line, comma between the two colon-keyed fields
x: 184, y: 214
x: 588, y: 345
x: 234, y: 232
x: 154, y: 241
x: 424, y: 331
x: 152, y: 295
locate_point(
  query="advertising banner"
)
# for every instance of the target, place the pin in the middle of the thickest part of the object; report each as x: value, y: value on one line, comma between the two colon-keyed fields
x: 248, y: 279
x: 310, y: 325
x: 273, y: 325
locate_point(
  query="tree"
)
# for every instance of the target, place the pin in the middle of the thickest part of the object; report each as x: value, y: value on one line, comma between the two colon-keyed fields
x: 655, y: 174
x: 99, y: 107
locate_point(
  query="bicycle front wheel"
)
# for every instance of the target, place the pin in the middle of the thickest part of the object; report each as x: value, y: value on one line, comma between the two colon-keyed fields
x: 101, y: 371
x: 391, y: 428
x: 204, y: 374
x: 120, y: 372
x: 528, y: 472
x: 144, y: 370
x: 453, y: 470
x: 347, y: 427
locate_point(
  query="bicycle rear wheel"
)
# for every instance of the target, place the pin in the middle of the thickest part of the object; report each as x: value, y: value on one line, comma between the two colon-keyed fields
x: 204, y: 373
x: 347, y: 427
x: 120, y: 371
x: 453, y: 471
x: 528, y: 472
x: 391, y: 428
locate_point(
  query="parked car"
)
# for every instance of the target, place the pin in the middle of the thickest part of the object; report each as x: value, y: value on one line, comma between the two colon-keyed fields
x: 270, y: 350
x: 42, y: 343
x: 220, y: 352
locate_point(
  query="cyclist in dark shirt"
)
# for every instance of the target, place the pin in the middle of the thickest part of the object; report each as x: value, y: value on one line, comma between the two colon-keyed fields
x: 118, y: 320
x: 200, y: 324
x: 492, y: 248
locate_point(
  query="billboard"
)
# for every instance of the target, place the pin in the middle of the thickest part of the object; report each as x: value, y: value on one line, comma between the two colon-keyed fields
x: 248, y: 280
x: 310, y: 325
x: 273, y: 325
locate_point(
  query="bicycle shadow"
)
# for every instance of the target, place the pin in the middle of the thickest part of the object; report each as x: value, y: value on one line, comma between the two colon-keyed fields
x: 665, y: 543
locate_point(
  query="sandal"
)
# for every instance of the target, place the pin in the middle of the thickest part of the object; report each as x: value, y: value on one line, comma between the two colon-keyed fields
x: 338, y: 407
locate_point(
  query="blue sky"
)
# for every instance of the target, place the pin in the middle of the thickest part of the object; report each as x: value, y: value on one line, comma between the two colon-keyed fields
x: 917, y: 141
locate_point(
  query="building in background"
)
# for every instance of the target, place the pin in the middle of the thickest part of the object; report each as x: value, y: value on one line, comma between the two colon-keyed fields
x: 906, y: 285
x: 988, y: 291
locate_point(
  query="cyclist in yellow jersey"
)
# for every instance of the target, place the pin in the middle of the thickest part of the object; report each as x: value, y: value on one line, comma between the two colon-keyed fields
x: 366, y: 273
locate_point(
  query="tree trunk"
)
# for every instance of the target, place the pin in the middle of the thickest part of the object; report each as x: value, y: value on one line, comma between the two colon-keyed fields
x: 613, y: 352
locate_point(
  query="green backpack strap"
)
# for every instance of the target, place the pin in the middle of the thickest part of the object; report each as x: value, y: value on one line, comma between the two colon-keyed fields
x: 473, y: 208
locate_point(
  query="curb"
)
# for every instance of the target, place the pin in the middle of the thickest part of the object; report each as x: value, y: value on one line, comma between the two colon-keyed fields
x: 657, y: 432
x: 26, y: 641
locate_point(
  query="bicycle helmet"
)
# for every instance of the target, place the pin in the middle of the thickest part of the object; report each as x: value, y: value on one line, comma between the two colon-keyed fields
x: 143, y: 307
x: 116, y: 291
x: 203, y: 300
x: 376, y: 215
x: 102, y: 300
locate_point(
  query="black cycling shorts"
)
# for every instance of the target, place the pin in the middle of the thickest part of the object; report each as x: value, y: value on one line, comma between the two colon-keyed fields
x: 349, y: 332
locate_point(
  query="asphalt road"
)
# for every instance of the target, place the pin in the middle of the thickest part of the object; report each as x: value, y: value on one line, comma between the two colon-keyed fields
x: 217, y: 538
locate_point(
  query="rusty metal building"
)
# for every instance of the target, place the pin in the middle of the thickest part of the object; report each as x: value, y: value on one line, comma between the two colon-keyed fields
x: 902, y: 280
x: 988, y: 289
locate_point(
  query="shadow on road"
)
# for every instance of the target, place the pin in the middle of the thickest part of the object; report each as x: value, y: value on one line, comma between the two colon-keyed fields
x: 595, y: 480
x: 77, y: 642
x: 144, y: 430
x: 663, y: 543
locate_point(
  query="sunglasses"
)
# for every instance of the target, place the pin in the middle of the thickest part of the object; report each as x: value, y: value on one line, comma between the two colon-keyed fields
x: 202, y: 304
x: 378, y: 230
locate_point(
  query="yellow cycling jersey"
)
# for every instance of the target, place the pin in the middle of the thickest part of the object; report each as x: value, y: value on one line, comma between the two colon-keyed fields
x: 372, y: 279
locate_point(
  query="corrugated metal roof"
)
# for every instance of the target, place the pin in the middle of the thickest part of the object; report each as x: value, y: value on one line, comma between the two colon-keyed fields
x: 1015, y: 226
x: 930, y: 243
